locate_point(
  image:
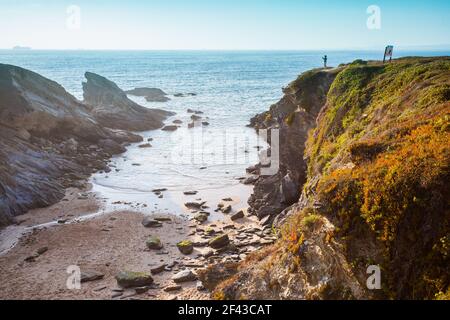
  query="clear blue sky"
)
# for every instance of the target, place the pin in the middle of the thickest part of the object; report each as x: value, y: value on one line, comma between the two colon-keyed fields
x: 223, y: 24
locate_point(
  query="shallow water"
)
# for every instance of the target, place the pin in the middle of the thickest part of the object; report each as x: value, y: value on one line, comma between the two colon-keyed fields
x: 207, y: 159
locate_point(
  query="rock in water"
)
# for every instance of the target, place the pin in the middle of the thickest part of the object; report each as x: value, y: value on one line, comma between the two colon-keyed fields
x: 184, y: 276
x: 238, y: 216
x: 170, y: 128
x: 130, y: 279
x: 185, y: 247
x: 220, y: 242
x: 194, y: 205
x: 227, y: 209
x: 150, y: 94
x: 113, y: 109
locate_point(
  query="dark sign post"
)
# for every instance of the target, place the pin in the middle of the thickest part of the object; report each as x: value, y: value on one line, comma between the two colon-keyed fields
x: 388, y: 53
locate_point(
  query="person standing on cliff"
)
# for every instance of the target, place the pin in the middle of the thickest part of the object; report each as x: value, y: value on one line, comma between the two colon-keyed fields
x: 325, y: 60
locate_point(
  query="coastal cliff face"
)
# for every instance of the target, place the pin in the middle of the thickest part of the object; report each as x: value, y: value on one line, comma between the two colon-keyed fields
x: 112, y: 108
x: 50, y: 141
x: 294, y: 115
x: 375, y: 188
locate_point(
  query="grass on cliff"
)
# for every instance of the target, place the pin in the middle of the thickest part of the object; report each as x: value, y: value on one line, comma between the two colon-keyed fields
x: 378, y: 170
x: 382, y: 151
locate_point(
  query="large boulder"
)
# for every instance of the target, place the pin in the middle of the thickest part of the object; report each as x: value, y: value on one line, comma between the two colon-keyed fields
x: 154, y: 243
x: 131, y: 279
x: 112, y: 108
x: 185, y: 247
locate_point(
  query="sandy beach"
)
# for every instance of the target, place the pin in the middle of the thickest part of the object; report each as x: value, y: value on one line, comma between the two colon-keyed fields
x: 107, y: 244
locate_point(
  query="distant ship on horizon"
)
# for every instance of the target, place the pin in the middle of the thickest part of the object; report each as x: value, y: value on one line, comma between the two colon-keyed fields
x: 21, y: 48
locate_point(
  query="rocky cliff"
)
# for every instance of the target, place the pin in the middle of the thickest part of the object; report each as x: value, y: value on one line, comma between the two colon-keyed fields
x: 112, y: 108
x: 50, y: 141
x: 372, y: 183
x: 294, y: 115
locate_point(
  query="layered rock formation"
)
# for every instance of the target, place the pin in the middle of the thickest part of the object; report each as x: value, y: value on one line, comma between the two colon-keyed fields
x: 50, y: 141
x: 376, y: 189
x: 112, y: 108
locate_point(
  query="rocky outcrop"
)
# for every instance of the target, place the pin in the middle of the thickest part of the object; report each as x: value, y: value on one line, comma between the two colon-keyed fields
x: 294, y: 116
x: 48, y: 141
x: 112, y: 108
x: 375, y: 196
x: 150, y: 94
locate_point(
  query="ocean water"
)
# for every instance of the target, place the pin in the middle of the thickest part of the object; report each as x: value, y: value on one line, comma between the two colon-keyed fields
x: 230, y: 88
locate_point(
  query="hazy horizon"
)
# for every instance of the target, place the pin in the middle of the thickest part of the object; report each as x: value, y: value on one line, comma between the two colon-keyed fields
x: 424, y: 48
x: 272, y: 25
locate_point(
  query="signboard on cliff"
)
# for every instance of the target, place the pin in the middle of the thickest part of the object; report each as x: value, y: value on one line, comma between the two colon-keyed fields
x: 388, y: 53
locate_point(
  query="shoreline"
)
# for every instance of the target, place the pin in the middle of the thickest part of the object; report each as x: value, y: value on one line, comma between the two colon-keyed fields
x: 82, y: 229
x: 108, y: 243
x: 84, y: 224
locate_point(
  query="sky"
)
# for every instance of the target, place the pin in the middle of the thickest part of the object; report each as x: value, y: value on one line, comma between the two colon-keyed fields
x: 224, y: 24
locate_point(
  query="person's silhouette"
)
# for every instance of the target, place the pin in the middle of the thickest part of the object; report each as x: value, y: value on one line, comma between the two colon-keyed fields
x: 325, y: 60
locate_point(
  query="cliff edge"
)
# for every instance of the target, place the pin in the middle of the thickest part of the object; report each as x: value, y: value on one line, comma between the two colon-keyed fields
x: 375, y: 190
